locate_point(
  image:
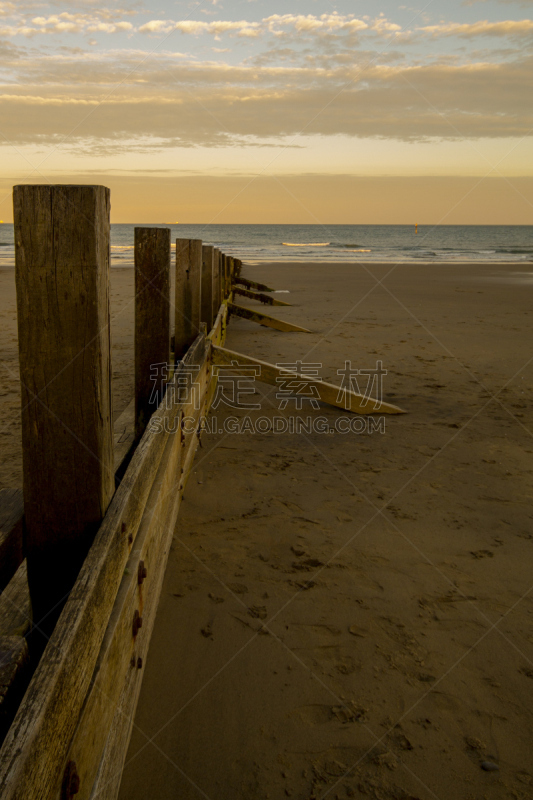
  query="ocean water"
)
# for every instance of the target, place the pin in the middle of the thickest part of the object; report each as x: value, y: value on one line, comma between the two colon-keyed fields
x: 389, y: 243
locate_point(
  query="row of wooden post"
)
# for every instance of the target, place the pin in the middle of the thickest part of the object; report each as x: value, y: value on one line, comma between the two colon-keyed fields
x: 62, y: 251
x: 203, y: 281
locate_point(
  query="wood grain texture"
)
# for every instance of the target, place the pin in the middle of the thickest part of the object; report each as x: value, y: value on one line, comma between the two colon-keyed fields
x: 156, y: 537
x: 188, y: 294
x: 11, y: 549
x: 217, y: 334
x: 261, y: 298
x: 110, y: 705
x: 206, y: 305
x: 62, y: 277
x: 152, y: 321
x: 14, y: 669
x: 263, y: 319
x: 327, y: 392
x: 32, y: 756
x: 12, y: 503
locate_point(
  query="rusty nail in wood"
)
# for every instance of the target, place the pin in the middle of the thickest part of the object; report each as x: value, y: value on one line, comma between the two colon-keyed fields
x: 130, y: 539
x: 71, y: 781
x: 141, y: 573
x: 139, y: 663
x: 137, y: 623
x: 123, y: 528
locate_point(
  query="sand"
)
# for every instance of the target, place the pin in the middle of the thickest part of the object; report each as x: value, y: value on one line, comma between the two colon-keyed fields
x: 349, y: 615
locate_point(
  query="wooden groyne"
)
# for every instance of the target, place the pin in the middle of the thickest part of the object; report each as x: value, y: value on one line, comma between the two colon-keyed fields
x: 87, y: 537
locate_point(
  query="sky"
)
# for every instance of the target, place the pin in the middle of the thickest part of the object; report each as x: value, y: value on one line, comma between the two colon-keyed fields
x: 305, y: 111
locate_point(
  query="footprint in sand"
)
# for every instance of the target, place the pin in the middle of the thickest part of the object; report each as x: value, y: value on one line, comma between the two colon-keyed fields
x: 482, y: 553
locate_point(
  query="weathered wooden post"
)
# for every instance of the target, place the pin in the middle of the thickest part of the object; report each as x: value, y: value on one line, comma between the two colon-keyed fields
x: 222, y: 276
x: 216, y: 282
x: 188, y: 294
x: 62, y: 277
x: 206, y: 305
x: 152, y: 321
x: 227, y: 276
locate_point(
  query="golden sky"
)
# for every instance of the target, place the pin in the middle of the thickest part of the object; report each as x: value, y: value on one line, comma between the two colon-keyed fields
x: 268, y: 112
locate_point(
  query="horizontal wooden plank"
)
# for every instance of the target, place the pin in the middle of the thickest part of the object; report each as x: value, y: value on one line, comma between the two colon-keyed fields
x: 110, y: 771
x: 263, y: 319
x: 14, y: 666
x: 327, y: 392
x: 217, y: 333
x: 260, y: 287
x: 32, y: 757
x: 120, y: 648
x: 267, y: 299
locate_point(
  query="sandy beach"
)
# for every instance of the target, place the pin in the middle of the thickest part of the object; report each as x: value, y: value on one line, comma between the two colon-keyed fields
x: 347, y: 614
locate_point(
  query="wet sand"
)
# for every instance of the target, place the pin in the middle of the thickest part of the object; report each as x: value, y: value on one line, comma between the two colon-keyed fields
x: 349, y: 615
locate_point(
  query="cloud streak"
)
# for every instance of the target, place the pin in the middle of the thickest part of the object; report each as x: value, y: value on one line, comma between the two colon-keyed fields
x: 509, y: 28
x: 218, y: 104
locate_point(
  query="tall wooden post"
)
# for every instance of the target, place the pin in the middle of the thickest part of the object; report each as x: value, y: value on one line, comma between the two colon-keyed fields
x: 227, y: 273
x: 62, y: 277
x: 221, y: 277
x: 152, y: 321
x: 216, y: 282
x: 188, y: 294
x: 206, y: 305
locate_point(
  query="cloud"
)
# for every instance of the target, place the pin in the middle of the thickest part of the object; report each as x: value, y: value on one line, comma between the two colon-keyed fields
x: 102, y: 20
x: 172, y: 102
x: 7, y: 9
x: 277, y: 25
x: 503, y: 2
x: 522, y: 27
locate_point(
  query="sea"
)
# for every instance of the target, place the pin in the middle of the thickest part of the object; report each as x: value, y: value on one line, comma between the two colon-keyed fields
x: 323, y: 243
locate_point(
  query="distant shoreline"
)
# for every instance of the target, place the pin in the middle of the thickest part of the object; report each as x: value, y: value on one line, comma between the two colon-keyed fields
x: 123, y: 264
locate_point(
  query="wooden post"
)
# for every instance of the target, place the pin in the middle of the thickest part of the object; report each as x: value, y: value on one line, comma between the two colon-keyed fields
x: 206, y: 305
x: 225, y: 277
x: 152, y: 321
x: 62, y: 276
x: 216, y: 282
x: 188, y: 293
x: 221, y: 258
x: 229, y: 275
x: 224, y: 273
